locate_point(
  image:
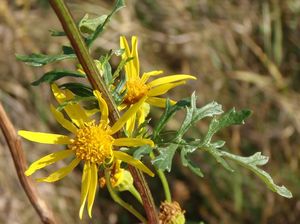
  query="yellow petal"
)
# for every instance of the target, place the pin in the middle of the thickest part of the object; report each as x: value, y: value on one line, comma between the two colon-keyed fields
x: 75, y: 112
x: 46, y: 138
x: 132, y: 142
x: 47, y: 160
x: 93, y: 188
x: 62, y: 121
x: 61, y: 173
x: 129, y: 65
x: 124, y: 45
x: 143, y: 113
x: 147, y: 75
x: 168, y: 79
x: 130, y: 125
x: 162, y: 89
x: 158, y: 102
x: 85, y: 185
x: 103, y: 107
x: 134, y: 53
x: 130, y: 112
x: 132, y: 161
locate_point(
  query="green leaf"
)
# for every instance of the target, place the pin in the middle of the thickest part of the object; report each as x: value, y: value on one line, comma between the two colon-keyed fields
x: 68, y: 50
x: 57, y: 33
x: 38, y: 60
x: 187, y: 162
x: 106, y: 69
x: 168, y: 114
x: 217, y: 154
x: 118, y: 5
x: 164, y: 160
x: 232, y: 117
x: 142, y: 151
x: 251, y: 163
x: 54, y: 75
x: 195, y: 114
x: 89, y: 26
x: 78, y: 89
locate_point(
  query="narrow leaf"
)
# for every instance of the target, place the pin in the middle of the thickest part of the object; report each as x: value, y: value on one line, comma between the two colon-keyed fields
x: 251, y: 163
x: 38, y: 60
x: 54, y: 75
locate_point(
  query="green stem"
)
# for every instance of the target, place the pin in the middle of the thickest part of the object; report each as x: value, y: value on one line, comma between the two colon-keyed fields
x: 163, y: 180
x: 165, y: 184
x: 118, y: 200
x: 93, y: 75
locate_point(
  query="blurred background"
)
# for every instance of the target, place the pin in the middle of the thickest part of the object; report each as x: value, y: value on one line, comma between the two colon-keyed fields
x: 245, y: 54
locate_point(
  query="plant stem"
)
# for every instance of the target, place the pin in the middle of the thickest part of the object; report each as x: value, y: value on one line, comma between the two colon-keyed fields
x: 118, y: 200
x: 165, y: 184
x: 163, y: 180
x: 93, y: 75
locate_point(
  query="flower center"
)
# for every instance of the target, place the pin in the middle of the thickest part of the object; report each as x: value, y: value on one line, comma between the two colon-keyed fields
x: 93, y: 143
x: 136, y: 90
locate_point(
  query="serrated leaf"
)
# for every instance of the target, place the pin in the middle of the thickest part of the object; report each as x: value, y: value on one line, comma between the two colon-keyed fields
x: 38, y: 60
x: 168, y: 114
x: 251, y: 163
x: 232, y: 117
x: 54, y: 75
x: 164, y: 160
x: 188, y: 163
x: 78, y: 89
x: 88, y: 26
x: 142, y: 151
x: 118, y: 5
x: 194, y: 114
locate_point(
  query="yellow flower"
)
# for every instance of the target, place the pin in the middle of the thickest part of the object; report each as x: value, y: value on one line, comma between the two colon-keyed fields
x: 91, y: 143
x: 138, y: 87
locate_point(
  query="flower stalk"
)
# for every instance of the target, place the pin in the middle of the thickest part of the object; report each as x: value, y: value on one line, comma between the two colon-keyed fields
x: 93, y: 75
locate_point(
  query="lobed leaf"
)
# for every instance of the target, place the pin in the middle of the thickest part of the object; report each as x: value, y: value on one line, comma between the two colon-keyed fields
x: 232, y: 117
x: 251, y: 163
x: 164, y: 160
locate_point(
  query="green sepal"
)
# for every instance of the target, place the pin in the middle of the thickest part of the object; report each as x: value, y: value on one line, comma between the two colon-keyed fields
x: 54, y: 75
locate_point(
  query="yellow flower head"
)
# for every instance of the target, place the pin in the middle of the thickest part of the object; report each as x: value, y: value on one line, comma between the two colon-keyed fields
x: 90, y: 142
x: 138, y: 87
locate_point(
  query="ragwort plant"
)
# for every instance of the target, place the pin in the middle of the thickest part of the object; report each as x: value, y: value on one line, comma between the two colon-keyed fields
x: 105, y: 143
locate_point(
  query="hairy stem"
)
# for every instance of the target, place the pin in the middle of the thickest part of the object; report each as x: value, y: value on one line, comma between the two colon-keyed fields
x: 93, y: 75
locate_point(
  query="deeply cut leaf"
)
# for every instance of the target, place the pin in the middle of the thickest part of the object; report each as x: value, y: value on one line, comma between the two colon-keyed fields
x: 164, y: 160
x: 251, y: 163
